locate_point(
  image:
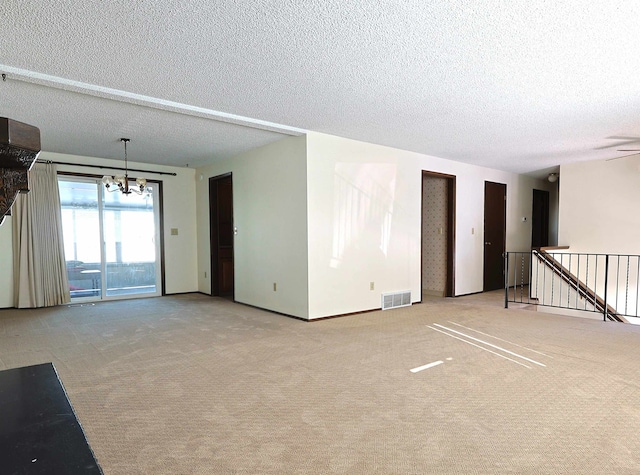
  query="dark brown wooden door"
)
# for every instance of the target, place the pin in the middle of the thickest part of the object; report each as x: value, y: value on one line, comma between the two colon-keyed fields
x: 540, y: 219
x: 221, y: 232
x: 495, y: 212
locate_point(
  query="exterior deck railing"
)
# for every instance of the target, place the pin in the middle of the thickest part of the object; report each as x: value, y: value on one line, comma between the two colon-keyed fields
x: 85, y: 278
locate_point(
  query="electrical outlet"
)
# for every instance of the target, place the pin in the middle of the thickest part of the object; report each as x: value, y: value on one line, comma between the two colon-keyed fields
x: 174, y: 231
x: 205, y: 274
x: 275, y: 288
x: 371, y: 285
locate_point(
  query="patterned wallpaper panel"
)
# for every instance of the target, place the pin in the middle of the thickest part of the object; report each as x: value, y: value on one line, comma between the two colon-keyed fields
x: 434, y: 234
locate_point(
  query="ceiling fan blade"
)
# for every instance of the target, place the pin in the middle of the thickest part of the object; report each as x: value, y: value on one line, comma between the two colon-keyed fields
x: 625, y: 140
x: 617, y: 158
x: 616, y: 144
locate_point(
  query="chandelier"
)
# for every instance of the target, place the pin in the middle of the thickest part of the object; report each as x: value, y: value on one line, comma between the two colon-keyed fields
x: 123, y: 180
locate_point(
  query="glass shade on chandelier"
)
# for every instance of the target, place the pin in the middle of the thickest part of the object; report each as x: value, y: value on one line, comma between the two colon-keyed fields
x: 121, y: 182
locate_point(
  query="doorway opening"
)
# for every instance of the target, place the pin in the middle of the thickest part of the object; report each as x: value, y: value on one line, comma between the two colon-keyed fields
x: 540, y: 219
x: 438, y: 235
x: 221, y: 235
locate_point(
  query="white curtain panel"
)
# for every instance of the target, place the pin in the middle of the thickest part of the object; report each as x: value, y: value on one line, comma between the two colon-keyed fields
x: 39, y: 267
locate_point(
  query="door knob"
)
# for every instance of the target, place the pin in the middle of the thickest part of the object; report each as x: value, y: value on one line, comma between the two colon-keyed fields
x: 487, y: 244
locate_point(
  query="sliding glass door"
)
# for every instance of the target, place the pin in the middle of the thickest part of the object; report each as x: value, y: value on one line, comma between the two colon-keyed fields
x: 111, y: 240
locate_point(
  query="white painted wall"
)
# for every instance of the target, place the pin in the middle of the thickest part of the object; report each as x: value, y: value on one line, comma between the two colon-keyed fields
x: 179, y: 212
x: 598, y: 206
x: 269, y: 211
x: 349, y: 245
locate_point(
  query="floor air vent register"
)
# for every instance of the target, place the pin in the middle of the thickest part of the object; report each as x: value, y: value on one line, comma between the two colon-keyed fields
x: 396, y: 299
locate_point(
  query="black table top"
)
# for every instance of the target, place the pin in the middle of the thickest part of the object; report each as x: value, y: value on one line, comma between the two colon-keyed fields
x: 39, y: 431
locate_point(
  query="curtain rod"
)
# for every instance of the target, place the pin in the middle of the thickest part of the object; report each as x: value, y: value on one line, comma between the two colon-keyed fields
x: 103, y: 167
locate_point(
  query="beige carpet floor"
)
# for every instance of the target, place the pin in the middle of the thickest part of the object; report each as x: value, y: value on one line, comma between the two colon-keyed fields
x: 197, y: 385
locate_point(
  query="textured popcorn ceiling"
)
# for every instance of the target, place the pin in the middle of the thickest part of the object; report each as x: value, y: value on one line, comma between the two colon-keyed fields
x: 516, y: 85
